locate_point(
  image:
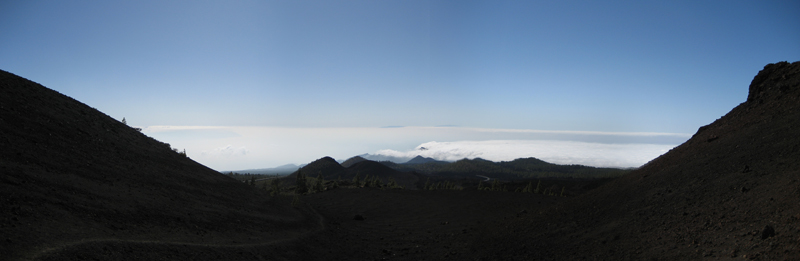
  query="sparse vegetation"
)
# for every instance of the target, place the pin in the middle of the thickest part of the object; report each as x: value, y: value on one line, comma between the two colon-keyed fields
x: 319, y: 184
x: 275, y: 185
x: 356, y: 181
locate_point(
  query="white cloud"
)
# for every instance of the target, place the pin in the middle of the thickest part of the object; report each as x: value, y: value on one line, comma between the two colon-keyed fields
x: 226, y: 151
x: 554, y: 151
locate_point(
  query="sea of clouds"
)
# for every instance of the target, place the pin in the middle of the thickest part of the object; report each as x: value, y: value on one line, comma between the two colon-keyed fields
x: 553, y: 151
x: 234, y: 148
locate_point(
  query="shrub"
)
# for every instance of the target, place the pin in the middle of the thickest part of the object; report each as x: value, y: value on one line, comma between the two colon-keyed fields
x: 529, y: 188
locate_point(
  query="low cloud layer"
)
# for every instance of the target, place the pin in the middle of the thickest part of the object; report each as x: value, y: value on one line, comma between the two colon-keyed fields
x: 560, y: 152
x: 228, y: 151
x: 231, y: 148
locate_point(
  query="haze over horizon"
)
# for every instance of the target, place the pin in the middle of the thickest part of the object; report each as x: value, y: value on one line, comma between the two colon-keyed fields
x: 255, y: 84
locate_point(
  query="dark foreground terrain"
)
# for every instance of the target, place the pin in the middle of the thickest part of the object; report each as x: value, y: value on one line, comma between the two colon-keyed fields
x: 76, y: 184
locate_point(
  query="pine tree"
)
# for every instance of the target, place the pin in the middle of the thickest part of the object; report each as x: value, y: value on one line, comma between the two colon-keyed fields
x: 427, y: 184
x: 301, y: 187
x: 538, y: 187
x: 320, y: 185
x: 562, y: 191
x: 480, y: 185
x: 367, y: 182
x: 124, y: 121
x: 356, y: 181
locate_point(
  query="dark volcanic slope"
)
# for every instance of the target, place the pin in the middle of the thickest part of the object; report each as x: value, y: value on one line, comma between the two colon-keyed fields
x: 349, y: 162
x: 375, y: 169
x: 720, y: 194
x: 69, y: 173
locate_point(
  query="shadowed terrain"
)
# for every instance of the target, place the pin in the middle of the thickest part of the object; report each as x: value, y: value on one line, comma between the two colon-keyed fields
x: 77, y: 184
x: 71, y: 174
x: 731, y: 191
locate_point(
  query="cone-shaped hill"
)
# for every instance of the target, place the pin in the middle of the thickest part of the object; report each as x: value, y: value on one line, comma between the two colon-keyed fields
x: 326, y: 166
x: 732, y: 190
x: 349, y: 162
x: 332, y: 170
x: 72, y: 177
x: 421, y: 160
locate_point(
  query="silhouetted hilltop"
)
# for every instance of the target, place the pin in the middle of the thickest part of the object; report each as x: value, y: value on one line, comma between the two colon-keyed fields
x: 326, y: 166
x: 420, y: 160
x: 349, y: 162
x: 526, y: 168
x: 729, y: 191
x: 72, y: 174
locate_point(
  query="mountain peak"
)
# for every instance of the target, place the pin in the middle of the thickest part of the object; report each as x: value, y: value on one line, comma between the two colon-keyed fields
x: 349, y: 162
x: 420, y: 160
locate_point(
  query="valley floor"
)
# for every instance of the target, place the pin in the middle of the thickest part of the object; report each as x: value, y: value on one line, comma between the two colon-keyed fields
x: 352, y: 224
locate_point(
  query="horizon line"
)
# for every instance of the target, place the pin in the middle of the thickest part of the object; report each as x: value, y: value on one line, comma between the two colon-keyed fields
x: 158, y: 128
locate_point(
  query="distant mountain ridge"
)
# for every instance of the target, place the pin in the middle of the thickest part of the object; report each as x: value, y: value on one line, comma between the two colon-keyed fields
x: 279, y: 170
x: 420, y: 160
x: 524, y: 168
x: 330, y: 169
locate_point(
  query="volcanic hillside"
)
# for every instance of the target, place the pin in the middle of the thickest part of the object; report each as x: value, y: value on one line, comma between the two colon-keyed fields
x: 732, y: 190
x: 349, y: 162
x: 73, y: 177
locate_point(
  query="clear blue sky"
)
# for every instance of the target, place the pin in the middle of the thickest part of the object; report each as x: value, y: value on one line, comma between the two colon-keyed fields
x: 630, y: 66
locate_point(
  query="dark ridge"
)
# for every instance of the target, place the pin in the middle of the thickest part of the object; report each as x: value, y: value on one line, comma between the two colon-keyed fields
x: 707, y: 198
x: 71, y: 173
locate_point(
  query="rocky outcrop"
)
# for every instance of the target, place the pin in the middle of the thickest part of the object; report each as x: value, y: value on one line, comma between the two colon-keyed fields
x: 775, y: 82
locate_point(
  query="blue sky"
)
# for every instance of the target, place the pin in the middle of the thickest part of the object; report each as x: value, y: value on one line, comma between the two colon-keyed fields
x: 591, y: 66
